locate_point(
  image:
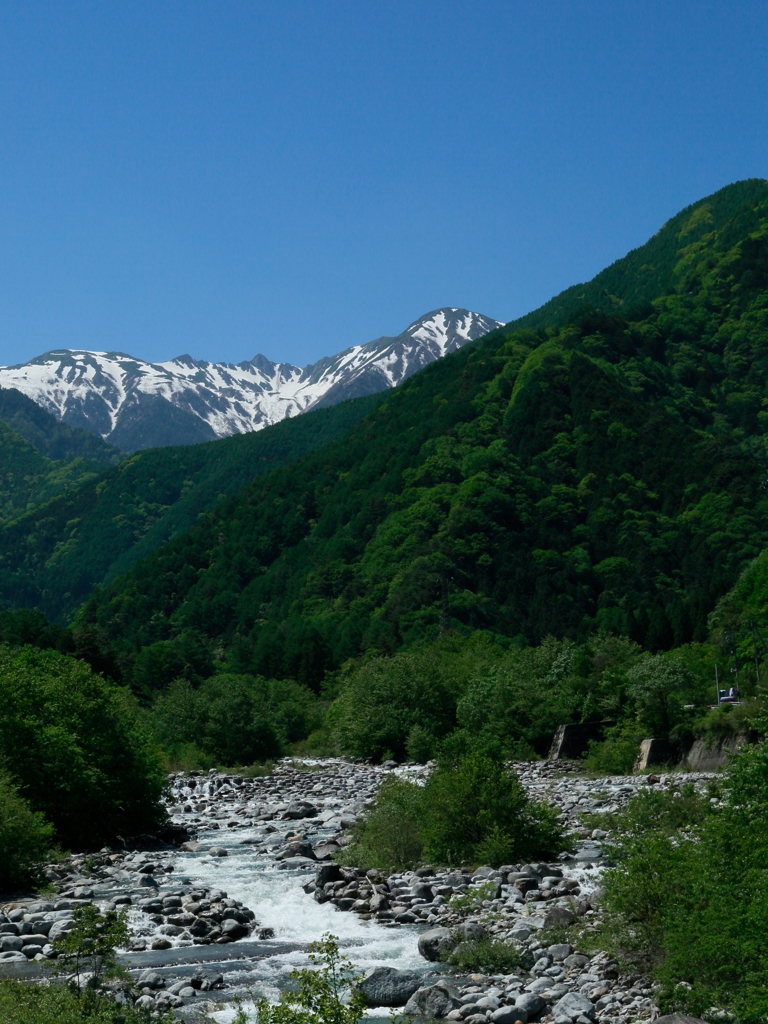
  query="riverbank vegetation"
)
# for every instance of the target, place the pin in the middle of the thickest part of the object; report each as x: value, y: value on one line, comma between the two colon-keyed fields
x: 471, y: 810
x: 688, y: 898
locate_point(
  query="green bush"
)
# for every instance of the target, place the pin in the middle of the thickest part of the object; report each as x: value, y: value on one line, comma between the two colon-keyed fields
x: 476, y: 811
x: 486, y: 955
x: 389, y: 837
x: 74, y: 745
x: 472, y: 810
x: 25, y: 839
x: 688, y: 897
x: 22, y: 1003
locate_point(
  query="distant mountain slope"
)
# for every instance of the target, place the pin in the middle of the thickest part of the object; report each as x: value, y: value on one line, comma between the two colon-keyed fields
x: 53, y: 556
x: 136, y: 405
x: 610, y: 474
x: 51, y: 437
x: 28, y: 479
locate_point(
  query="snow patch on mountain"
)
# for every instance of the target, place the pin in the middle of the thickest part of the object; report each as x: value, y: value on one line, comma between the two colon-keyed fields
x: 135, y: 404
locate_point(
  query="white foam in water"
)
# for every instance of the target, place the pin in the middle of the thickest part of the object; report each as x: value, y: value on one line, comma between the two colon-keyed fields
x: 278, y: 901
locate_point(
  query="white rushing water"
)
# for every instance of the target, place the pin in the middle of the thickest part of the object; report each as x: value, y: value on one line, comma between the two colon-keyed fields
x: 277, y: 899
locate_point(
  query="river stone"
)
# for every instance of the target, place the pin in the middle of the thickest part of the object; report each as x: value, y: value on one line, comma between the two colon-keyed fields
x: 10, y: 944
x: 385, y: 986
x: 32, y: 950
x: 299, y: 809
x: 327, y: 873
x: 233, y: 929
x: 471, y: 931
x: 324, y: 851
x: 192, y: 847
x: 529, y: 1003
x: 218, y: 851
x: 433, y: 1000
x: 574, y: 1005
x: 509, y: 1015
x: 379, y: 902
x: 558, y: 916
x: 11, y: 956
x: 434, y: 942
x: 560, y: 951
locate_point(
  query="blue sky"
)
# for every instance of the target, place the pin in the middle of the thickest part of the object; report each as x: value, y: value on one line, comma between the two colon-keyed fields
x: 292, y: 178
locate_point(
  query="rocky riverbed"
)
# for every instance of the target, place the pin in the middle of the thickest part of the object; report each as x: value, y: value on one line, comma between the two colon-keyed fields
x: 229, y: 910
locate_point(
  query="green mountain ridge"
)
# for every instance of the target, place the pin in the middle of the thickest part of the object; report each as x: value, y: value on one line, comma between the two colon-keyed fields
x: 29, y: 479
x: 605, y: 472
x: 53, y: 438
x: 52, y: 557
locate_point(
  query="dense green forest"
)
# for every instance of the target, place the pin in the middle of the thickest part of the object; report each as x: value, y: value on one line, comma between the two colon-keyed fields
x: 53, y: 438
x: 52, y: 557
x: 29, y: 479
x: 606, y: 473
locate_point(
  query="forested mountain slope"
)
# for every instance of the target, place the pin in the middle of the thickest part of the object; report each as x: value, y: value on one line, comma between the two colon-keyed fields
x: 53, y: 556
x: 648, y: 272
x: 28, y: 478
x: 51, y: 437
x: 609, y: 472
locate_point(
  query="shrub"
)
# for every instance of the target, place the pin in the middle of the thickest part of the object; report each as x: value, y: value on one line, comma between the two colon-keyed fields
x: 74, y: 745
x: 323, y: 996
x: 688, y: 897
x: 476, y: 811
x: 471, y: 810
x: 389, y: 837
x: 25, y: 839
x: 22, y: 1003
x: 486, y: 955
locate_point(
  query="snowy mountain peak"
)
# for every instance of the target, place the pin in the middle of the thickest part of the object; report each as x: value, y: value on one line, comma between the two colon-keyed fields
x: 134, y: 404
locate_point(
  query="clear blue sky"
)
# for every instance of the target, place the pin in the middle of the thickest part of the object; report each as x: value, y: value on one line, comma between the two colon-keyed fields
x: 291, y: 178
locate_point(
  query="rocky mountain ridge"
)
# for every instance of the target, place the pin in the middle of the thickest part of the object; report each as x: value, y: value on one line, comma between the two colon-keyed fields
x: 134, y: 404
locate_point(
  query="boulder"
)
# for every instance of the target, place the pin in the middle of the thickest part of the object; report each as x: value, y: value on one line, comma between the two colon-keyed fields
x: 233, y: 929
x: 509, y: 1015
x: 325, y: 850
x: 435, y: 942
x: 529, y: 1003
x: 558, y: 916
x: 560, y: 951
x: 299, y: 809
x: 471, y: 931
x: 296, y: 848
x: 378, y: 902
x: 385, y: 986
x: 192, y: 847
x: 10, y: 944
x: 433, y: 1000
x: 151, y: 979
x: 327, y: 873
x: 573, y: 1005
x: 218, y: 851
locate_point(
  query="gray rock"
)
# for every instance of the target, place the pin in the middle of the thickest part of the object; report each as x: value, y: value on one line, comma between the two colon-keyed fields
x: 385, y: 986
x: 576, y: 960
x: 10, y: 944
x: 186, y: 993
x: 32, y: 950
x: 299, y: 809
x: 191, y: 847
x: 470, y: 931
x: 327, y: 873
x: 433, y: 1000
x: 560, y: 951
x: 574, y: 1005
x: 558, y: 916
x: 508, y: 1015
x: 234, y: 929
x: 218, y: 851
x: 34, y: 940
x: 151, y: 979
x: 379, y: 902
x: 10, y: 956
x: 296, y: 848
x: 435, y: 942
x: 530, y: 1003
x: 324, y: 851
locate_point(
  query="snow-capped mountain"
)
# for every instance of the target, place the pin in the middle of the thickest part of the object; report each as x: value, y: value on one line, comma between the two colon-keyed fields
x: 134, y: 405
